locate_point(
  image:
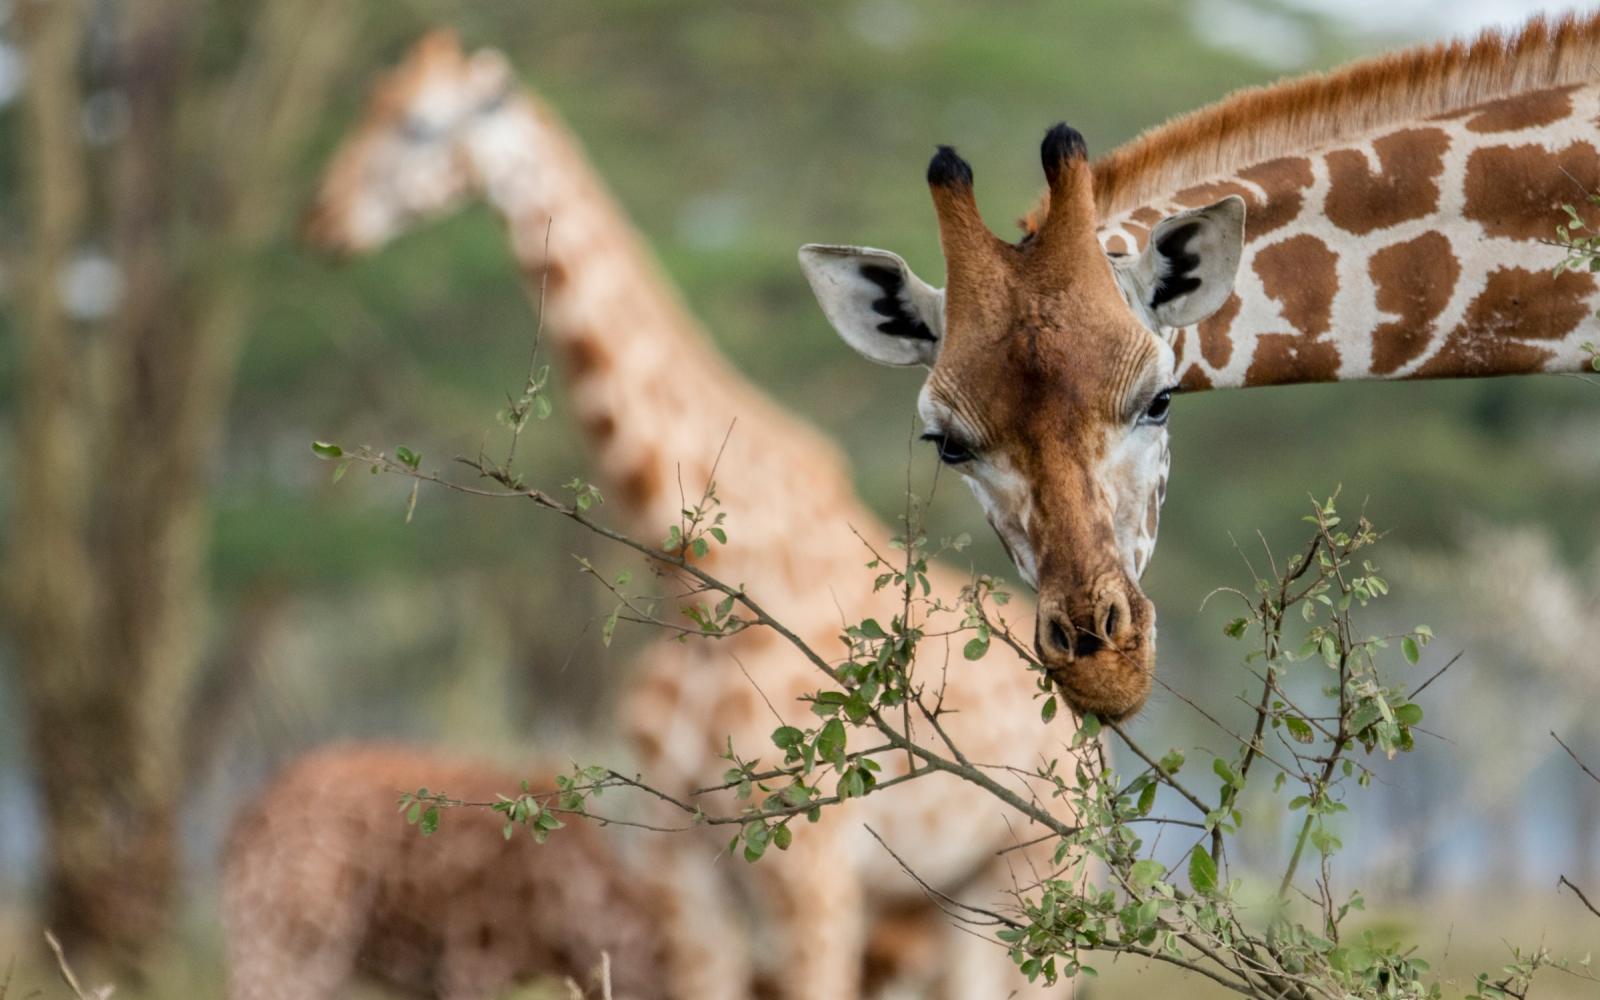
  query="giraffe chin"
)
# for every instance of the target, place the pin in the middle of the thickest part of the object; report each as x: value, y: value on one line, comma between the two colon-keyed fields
x: 1112, y: 683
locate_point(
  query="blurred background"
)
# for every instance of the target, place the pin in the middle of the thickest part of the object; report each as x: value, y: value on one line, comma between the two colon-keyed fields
x: 190, y: 601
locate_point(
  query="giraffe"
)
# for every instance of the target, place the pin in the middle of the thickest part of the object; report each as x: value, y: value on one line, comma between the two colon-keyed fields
x: 654, y: 402
x: 322, y: 882
x: 1381, y: 221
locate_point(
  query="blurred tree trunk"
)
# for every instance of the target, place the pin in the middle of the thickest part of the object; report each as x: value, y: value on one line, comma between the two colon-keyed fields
x: 108, y: 543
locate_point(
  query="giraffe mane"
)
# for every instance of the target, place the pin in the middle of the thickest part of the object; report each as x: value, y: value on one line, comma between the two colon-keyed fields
x: 1262, y: 123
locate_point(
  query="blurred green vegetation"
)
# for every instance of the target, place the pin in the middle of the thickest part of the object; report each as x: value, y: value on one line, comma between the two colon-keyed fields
x: 732, y: 133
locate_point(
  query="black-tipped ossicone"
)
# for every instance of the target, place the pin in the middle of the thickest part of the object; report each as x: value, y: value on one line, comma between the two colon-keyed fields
x: 948, y: 169
x: 1061, y: 143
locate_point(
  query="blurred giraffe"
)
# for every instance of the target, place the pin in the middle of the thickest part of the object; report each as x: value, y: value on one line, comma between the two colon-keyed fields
x: 653, y: 399
x: 323, y: 882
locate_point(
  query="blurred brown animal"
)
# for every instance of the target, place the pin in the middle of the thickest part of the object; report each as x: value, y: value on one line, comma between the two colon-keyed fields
x: 324, y: 882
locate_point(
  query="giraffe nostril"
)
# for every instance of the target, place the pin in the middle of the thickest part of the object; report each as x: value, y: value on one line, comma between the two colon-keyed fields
x: 1109, y: 630
x: 1059, y: 637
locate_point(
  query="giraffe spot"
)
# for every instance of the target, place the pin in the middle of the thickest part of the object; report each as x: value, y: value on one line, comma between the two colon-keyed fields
x: 1284, y: 357
x: 734, y: 709
x: 1406, y: 185
x: 1145, y: 216
x: 601, y: 427
x: 1194, y: 379
x: 648, y: 745
x: 641, y: 484
x: 1300, y: 274
x: 550, y: 277
x: 1523, y: 111
x: 585, y: 356
x: 1178, y: 341
x: 1414, y: 281
x: 1284, y: 181
x: 1116, y: 245
x: 1202, y: 195
x: 1139, y: 234
x: 660, y: 690
x: 1518, y: 191
x: 1516, y: 304
x: 485, y: 937
x: 1152, y: 516
x: 1215, y: 346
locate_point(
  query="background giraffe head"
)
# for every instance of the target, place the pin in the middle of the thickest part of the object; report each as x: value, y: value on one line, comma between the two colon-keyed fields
x: 1050, y: 380
x: 409, y: 160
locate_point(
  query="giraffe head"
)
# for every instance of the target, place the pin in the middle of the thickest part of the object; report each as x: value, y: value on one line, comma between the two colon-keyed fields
x: 1049, y: 385
x: 409, y: 160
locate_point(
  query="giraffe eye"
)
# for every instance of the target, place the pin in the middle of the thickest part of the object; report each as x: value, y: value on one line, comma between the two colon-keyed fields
x: 1156, y: 412
x: 951, y: 450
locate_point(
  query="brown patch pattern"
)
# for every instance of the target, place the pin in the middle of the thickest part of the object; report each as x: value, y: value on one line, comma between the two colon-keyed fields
x: 1413, y: 280
x: 584, y: 356
x: 1194, y: 379
x: 1301, y: 275
x: 1405, y: 187
x: 1518, y: 191
x: 1516, y: 304
x: 641, y: 484
x: 1523, y: 111
x: 1284, y: 180
x: 1215, y: 344
x: 1284, y: 357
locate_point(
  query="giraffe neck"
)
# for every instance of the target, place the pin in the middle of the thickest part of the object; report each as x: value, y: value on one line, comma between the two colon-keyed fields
x: 654, y: 400
x: 1413, y: 252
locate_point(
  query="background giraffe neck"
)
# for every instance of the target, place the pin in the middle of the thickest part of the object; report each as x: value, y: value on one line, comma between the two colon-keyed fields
x: 653, y: 398
x: 1413, y: 252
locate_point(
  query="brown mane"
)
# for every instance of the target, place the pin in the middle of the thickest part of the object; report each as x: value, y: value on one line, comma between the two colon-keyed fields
x: 1262, y: 123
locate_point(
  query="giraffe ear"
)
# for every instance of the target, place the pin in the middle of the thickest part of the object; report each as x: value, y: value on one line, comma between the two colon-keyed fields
x: 880, y: 308
x: 1187, y: 269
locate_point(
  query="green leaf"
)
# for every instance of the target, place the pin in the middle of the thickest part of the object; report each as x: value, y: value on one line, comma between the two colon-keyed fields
x: 326, y: 450
x: 1298, y: 728
x: 1409, y: 714
x: 782, y: 837
x: 830, y: 742
x: 1222, y: 770
x: 1235, y: 629
x: 976, y: 647
x: 542, y: 407
x: 1202, y: 872
x: 1408, y: 645
x: 407, y: 457
x: 1147, y: 798
x: 1048, y: 712
x: 785, y: 737
x: 1146, y: 873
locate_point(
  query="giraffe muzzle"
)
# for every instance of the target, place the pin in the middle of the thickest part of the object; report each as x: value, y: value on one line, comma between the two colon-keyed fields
x: 1099, y: 649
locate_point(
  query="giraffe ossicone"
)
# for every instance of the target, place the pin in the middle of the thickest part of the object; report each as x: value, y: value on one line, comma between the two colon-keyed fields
x: 1382, y: 221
